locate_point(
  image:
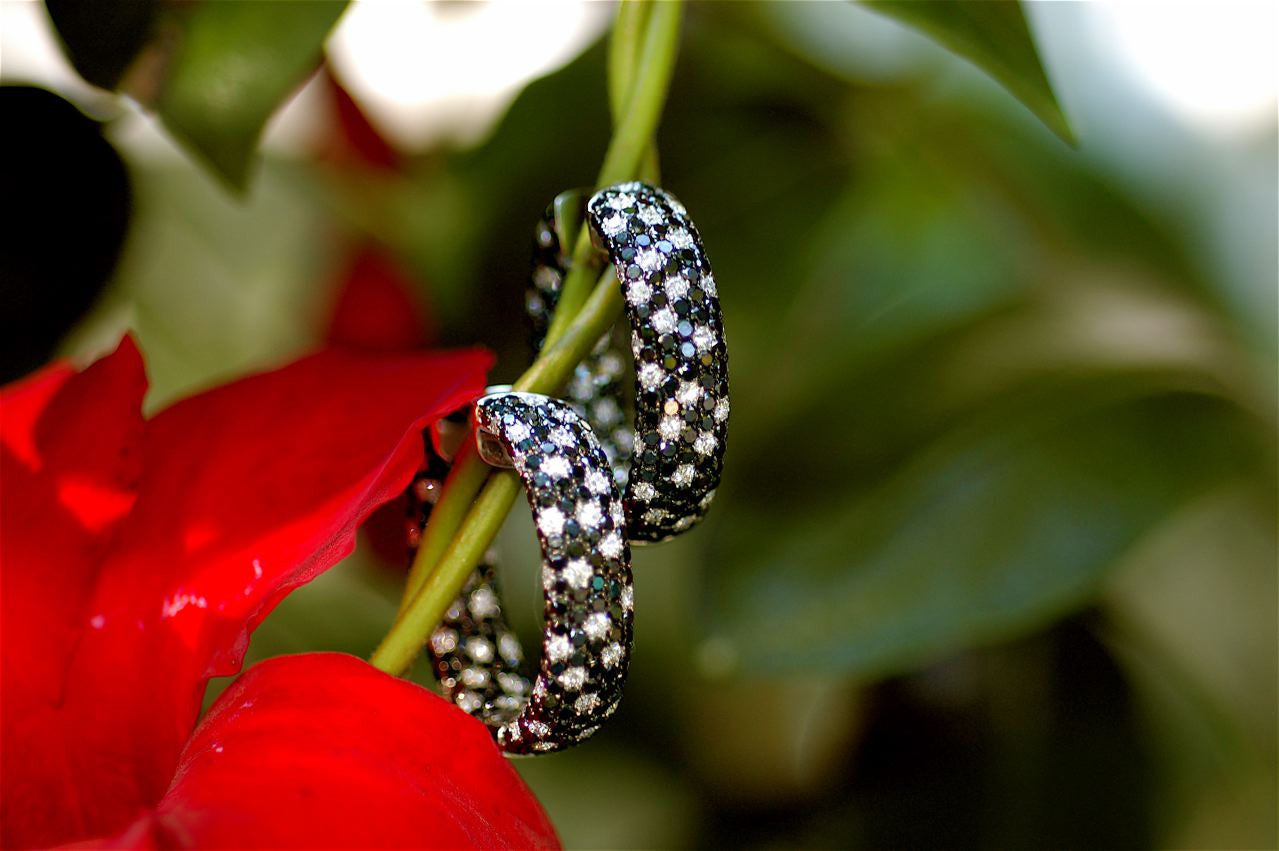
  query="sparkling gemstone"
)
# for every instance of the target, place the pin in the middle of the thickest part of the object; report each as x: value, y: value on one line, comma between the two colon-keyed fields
x: 705, y: 443
x: 572, y: 679
x: 708, y: 284
x: 611, y: 545
x: 480, y: 649
x: 644, y: 491
x: 683, y: 475
x: 650, y: 376
x: 577, y: 573
x: 689, y: 392
x: 509, y: 646
x: 597, y: 482
x: 589, y: 513
x: 563, y: 437
x: 551, y: 521
x: 558, y: 648
x: 649, y: 260
x: 639, y: 292
x: 621, y: 201
x: 680, y: 238
x: 606, y: 412
x: 703, y: 338
x: 664, y: 320
x: 468, y: 701
x: 596, y: 625
x: 475, y: 677
x: 676, y: 287
x: 650, y: 215
x: 443, y: 641
x: 613, y: 225
x: 586, y: 703
x: 670, y: 427
x: 557, y: 467
x: 484, y: 603
x: 517, y: 431
x: 654, y: 515
x: 628, y: 598
x: 721, y: 410
x: 611, y: 655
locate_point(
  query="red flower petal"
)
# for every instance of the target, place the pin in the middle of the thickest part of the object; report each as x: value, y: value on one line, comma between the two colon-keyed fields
x: 114, y: 619
x: 323, y: 751
x: 376, y: 308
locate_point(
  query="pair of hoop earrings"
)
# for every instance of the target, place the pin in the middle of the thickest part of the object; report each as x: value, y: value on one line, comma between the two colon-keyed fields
x: 594, y: 486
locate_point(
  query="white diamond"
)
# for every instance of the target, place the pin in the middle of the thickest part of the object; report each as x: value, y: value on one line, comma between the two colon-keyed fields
x: 563, y: 436
x: 480, y: 649
x: 649, y: 260
x: 650, y: 375
x: 597, y: 482
x: 703, y: 338
x: 644, y: 491
x: 586, y: 703
x: 689, y: 393
x: 670, y: 427
x: 680, y: 238
x: 509, y: 646
x: 596, y: 625
x: 577, y: 573
x: 611, y: 655
x: 628, y: 598
x: 708, y: 284
x: 517, y: 431
x: 683, y: 475
x: 664, y: 320
x: 618, y: 514
x: 721, y: 410
x: 539, y: 728
x: 469, y: 701
x: 677, y: 287
x: 512, y: 683
x: 621, y: 200
x: 573, y: 679
x: 551, y: 522
x: 650, y: 215
x: 443, y: 641
x: 475, y: 677
x: 613, y: 225
x: 705, y: 443
x: 589, y: 513
x: 606, y: 412
x: 638, y: 292
x: 558, y: 648
x: 548, y: 578
x: 611, y: 546
x: 557, y: 467
x: 706, y: 500
x: 683, y: 523
x: 484, y: 603
x: 654, y: 515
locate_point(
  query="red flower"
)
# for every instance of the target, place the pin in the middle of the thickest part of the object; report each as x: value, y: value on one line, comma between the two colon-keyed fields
x: 137, y: 555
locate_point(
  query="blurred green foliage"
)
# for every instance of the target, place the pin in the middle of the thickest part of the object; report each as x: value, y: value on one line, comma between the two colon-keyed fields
x: 993, y: 560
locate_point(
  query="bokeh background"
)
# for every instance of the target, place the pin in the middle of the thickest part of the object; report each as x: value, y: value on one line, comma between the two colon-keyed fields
x: 994, y: 561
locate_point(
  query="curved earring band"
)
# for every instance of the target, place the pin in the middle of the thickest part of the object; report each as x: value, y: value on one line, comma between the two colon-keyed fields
x: 675, y: 450
x: 586, y: 574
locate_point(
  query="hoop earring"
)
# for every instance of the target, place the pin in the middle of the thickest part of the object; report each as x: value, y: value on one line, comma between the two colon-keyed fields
x: 586, y: 582
x: 670, y: 461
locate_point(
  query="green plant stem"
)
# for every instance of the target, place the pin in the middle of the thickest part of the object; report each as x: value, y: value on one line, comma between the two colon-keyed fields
x: 463, y: 524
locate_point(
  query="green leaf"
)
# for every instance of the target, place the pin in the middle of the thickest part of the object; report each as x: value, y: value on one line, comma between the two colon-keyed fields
x: 996, y: 530
x: 993, y: 35
x: 235, y: 64
x: 102, y: 38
